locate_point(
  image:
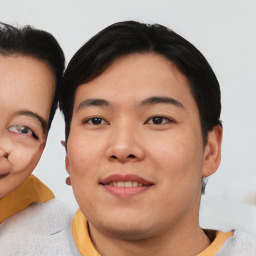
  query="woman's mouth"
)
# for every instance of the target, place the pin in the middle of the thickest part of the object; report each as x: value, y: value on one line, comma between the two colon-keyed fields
x: 3, y: 175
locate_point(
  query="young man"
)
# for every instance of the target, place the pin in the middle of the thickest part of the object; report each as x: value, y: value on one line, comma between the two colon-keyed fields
x: 142, y: 108
x: 31, y: 67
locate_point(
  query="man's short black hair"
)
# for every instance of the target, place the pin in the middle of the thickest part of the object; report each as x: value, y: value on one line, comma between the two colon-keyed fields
x: 128, y: 37
x: 39, y: 44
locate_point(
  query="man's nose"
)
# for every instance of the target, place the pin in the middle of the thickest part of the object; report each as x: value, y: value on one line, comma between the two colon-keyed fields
x: 124, y: 145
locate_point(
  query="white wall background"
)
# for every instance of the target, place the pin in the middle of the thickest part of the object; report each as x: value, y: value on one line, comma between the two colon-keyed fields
x: 223, y: 30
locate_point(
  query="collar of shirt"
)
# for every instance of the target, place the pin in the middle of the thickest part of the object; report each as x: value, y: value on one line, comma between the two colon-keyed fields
x: 84, y: 244
x: 81, y: 235
x: 216, y: 245
x: 31, y: 191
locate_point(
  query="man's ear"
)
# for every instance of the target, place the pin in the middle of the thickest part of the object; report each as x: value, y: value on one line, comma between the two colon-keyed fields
x: 212, y: 152
x: 68, y: 179
x: 63, y: 143
x: 67, y: 164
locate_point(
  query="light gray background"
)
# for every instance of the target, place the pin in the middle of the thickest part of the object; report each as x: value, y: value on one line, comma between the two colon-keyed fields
x: 223, y: 30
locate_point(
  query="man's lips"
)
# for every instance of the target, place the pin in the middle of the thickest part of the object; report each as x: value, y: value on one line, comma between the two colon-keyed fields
x: 128, y: 179
x: 125, y: 185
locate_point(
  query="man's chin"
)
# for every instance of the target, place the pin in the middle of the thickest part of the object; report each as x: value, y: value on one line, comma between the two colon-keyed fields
x: 127, y: 231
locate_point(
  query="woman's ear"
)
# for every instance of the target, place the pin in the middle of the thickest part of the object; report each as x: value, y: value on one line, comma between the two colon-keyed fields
x: 212, y: 152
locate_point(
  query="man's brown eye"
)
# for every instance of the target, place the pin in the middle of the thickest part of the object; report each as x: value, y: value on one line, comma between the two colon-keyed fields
x: 96, y: 120
x: 157, y: 120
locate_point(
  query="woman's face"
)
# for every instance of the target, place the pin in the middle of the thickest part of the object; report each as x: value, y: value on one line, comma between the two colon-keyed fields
x: 26, y: 94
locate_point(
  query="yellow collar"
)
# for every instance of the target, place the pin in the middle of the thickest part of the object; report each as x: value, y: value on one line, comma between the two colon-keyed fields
x: 81, y: 235
x: 217, y: 243
x: 86, y: 248
x: 31, y: 191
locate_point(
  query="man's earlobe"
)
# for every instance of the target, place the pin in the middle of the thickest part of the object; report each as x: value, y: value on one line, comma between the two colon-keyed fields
x: 212, y: 153
x: 68, y: 179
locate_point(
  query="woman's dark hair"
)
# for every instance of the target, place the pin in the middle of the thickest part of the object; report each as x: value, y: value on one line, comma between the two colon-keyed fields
x: 39, y: 44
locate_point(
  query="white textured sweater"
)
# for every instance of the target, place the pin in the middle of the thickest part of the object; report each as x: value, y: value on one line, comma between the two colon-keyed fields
x: 241, y: 244
x: 44, y: 229
x: 41, y: 229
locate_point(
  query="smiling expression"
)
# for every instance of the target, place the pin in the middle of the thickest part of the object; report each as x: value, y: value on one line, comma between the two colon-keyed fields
x: 26, y: 94
x: 135, y: 152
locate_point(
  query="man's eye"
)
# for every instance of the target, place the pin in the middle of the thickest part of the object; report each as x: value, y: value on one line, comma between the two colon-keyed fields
x: 159, y: 120
x: 22, y: 130
x: 95, y: 121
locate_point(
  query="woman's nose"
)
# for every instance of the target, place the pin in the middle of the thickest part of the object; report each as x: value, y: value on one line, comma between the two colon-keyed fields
x: 5, y: 146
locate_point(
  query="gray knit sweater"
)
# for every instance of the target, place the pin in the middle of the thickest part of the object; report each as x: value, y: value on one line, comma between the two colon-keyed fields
x: 45, y: 230
x: 41, y: 229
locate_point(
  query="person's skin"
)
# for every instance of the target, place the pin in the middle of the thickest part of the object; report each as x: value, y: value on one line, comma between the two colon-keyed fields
x: 138, y: 123
x: 27, y: 88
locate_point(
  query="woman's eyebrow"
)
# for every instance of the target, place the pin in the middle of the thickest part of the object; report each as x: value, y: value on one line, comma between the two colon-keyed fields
x: 92, y: 102
x: 162, y: 99
x: 29, y: 113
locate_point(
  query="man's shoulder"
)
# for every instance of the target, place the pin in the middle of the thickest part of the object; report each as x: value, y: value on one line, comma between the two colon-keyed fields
x: 240, y: 244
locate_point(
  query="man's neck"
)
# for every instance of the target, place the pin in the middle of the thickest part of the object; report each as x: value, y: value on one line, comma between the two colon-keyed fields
x: 183, y: 242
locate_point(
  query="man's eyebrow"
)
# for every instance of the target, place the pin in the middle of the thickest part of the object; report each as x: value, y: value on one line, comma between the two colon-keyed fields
x: 160, y: 99
x: 93, y: 102
x: 42, y: 121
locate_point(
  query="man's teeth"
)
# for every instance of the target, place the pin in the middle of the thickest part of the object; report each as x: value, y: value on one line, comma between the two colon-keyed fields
x: 126, y: 184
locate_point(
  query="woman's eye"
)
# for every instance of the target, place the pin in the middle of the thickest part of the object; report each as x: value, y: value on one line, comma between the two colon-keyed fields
x: 22, y: 130
x: 159, y: 120
x: 95, y: 121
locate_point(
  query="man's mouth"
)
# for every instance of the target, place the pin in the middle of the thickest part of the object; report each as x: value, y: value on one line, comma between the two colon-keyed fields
x: 125, y: 181
x: 126, y: 184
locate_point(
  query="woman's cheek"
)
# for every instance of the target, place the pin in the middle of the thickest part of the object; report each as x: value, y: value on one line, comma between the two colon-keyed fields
x: 25, y: 158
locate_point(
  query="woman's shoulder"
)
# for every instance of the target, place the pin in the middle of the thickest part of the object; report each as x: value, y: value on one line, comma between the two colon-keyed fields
x: 40, y: 229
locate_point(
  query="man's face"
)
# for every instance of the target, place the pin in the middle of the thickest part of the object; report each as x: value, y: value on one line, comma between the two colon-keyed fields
x: 26, y: 93
x: 135, y: 152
